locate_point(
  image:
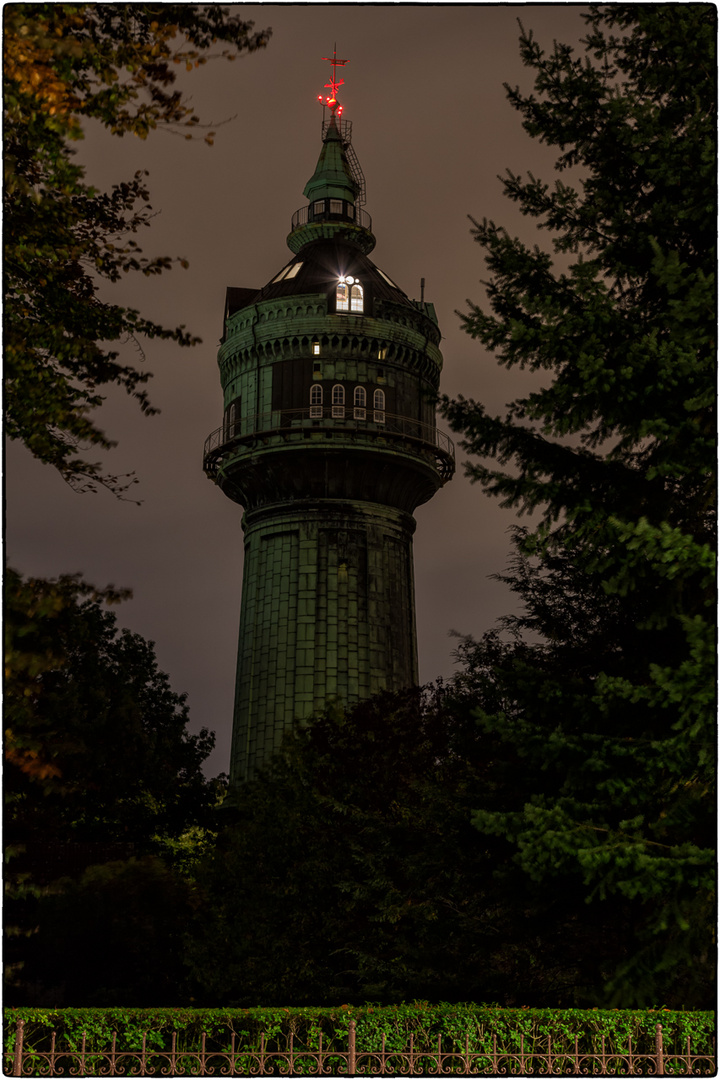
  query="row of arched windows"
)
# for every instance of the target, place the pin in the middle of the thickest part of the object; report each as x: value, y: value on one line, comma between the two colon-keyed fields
x: 338, y: 403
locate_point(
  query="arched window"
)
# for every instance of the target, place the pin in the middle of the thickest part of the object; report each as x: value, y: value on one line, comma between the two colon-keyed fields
x: 359, y: 403
x: 338, y: 401
x: 231, y: 420
x: 379, y: 406
x: 356, y: 298
x: 342, y: 297
x: 316, y: 400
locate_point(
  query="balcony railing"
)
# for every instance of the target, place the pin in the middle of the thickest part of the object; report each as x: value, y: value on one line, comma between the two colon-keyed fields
x: 232, y: 435
x: 354, y: 215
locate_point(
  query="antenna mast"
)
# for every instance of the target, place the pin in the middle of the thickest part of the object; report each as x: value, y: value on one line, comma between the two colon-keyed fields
x: 344, y: 127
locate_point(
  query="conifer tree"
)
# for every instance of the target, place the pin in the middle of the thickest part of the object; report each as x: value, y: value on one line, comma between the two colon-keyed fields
x: 611, y: 698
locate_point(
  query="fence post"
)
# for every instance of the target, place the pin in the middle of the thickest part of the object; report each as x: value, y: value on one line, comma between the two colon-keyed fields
x: 659, y: 1051
x: 351, y: 1048
x: 17, y: 1059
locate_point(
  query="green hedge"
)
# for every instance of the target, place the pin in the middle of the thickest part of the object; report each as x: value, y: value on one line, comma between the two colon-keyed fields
x: 397, y: 1022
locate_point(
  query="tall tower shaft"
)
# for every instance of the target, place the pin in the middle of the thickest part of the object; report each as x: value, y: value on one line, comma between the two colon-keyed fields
x: 329, y: 374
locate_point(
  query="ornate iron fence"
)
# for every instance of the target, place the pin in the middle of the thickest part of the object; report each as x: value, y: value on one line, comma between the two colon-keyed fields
x: 413, y: 1060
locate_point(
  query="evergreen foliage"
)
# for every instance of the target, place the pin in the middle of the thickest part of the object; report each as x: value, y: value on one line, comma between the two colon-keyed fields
x: 604, y: 689
x: 65, y: 64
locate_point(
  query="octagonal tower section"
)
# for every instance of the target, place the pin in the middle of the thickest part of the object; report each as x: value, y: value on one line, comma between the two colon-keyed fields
x: 328, y: 441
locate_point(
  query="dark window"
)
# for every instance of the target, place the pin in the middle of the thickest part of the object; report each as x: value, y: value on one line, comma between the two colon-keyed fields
x: 359, y: 403
x: 232, y: 425
x: 338, y: 401
x: 316, y: 400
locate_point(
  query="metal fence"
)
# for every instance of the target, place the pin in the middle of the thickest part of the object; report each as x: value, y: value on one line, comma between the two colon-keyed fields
x: 352, y: 1060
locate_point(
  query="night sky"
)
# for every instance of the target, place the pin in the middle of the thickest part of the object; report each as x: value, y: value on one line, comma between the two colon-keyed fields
x: 432, y: 130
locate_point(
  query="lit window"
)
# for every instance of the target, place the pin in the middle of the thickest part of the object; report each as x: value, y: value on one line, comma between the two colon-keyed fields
x: 316, y: 400
x: 280, y: 276
x: 316, y: 348
x: 286, y: 273
x: 338, y: 401
x: 382, y: 275
x: 359, y: 403
x: 356, y: 298
x: 379, y: 406
x: 342, y: 297
x: 382, y: 353
x: 336, y: 206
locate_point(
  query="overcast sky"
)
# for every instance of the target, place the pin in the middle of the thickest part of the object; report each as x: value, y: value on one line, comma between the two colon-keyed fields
x: 432, y: 130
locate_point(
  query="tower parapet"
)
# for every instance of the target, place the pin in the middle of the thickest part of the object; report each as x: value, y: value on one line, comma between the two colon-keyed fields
x: 328, y: 440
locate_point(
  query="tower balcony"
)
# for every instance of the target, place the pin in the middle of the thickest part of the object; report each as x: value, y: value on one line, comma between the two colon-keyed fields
x: 327, y: 218
x: 331, y: 210
x: 251, y: 433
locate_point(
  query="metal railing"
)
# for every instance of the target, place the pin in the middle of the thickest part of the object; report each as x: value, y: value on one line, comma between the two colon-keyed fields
x: 306, y: 214
x: 416, y: 1058
x: 231, y: 436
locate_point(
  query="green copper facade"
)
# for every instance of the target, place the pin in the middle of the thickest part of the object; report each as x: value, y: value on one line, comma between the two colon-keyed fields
x: 329, y: 374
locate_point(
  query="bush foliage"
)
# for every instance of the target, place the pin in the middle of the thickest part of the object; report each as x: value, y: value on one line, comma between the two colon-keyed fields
x: 424, y: 1021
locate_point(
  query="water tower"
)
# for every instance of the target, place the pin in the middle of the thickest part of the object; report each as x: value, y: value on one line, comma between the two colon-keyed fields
x: 329, y: 375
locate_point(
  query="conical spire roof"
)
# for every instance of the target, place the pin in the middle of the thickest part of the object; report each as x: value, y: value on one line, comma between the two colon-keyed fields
x: 332, y: 178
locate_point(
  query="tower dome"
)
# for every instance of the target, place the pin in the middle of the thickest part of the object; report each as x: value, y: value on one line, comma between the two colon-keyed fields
x: 330, y: 374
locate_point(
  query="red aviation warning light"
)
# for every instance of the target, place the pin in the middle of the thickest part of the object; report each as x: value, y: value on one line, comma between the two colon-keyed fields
x: 334, y: 85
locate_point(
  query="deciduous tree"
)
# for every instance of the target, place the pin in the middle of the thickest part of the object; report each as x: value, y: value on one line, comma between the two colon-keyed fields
x: 353, y: 873
x: 105, y: 800
x: 64, y: 64
x: 97, y: 746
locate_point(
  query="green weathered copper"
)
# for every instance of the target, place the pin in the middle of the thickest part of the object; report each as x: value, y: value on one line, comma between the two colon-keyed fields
x: 329, y: 490
x: 332, y: 178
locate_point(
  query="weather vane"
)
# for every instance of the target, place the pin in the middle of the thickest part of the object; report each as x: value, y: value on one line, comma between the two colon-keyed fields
x: 334, y: 85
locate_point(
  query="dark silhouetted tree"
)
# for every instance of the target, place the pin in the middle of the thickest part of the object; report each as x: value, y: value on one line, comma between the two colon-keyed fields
x: 114, y: 64
x: 103, y: 786
x: 607, y: 682
x: 354, y: 873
